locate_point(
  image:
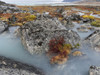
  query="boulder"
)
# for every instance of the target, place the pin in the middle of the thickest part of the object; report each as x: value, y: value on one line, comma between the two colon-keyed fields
x: 36, y: 35
x: 11, y: 67
x: 3, y: 26
x: 94, y: 39
x: 67, y: 22
x: 75, y: 17
x: 60, y: 10
x: 94, y: 70
x: 44, y: 15
x: 8, y: 8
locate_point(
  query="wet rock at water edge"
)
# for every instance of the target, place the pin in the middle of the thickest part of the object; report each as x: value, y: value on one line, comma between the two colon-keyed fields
x: 77, y: 53
x: 94, y: 40
x: 44, y: 15
x: 67, y: 22
x: 76, y: 17
x: 94, y: 70
x: 3, y: 26
x: 36, y: 35
x: 82, y: 29
x: 11, y: 67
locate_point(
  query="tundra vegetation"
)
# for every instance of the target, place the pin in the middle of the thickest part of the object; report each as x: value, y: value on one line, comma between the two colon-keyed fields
x: 96, y: 23
x: 59, y: 50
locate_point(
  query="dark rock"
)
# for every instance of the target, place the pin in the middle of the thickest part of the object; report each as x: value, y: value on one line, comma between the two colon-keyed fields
x: 43, y: 16
x: 60, y: 10
x: 11, y: 67
x: 13, y: 19
x: 75, y: 17
x: 8, y: 8
x: 67, y: 22
x: 32, y: 11
x: 94, y: 70
x: 3, y: 26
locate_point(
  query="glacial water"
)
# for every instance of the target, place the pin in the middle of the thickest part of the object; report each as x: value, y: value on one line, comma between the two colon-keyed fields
x: 11, y: 47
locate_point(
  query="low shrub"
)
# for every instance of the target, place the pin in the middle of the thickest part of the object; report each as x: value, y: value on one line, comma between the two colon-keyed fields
x: 60, y: 48
x: 96, y: 23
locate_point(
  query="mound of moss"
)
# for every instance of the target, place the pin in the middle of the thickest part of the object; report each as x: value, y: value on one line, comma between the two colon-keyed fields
x: 96, y: 23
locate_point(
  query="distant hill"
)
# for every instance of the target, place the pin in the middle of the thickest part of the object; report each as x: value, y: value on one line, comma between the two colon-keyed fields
x: 81, y: 0
x: 6, y: 4
x: 70, y: 0
x: 1, y: 3
x: 92, y: 0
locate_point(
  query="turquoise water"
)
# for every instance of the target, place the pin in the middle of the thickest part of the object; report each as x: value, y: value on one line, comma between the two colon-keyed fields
x: 11, y: 47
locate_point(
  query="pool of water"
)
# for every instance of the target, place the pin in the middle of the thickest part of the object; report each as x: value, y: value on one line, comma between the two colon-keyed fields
x: 11, y: 47
x: 83, y: 35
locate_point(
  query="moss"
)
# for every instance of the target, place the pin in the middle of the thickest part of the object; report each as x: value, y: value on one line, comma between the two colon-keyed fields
x: 30, y: 18
x: 91, y: 17
x: 17, y: 24
x: 4, y: 19
x: 77, y: 45
x: 96, y: 23
x: 85, y: 16
x: 88, y: 16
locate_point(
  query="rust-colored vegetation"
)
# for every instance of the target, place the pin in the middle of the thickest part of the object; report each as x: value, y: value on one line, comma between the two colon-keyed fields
x: 59, y: 50
x: 21, y: 18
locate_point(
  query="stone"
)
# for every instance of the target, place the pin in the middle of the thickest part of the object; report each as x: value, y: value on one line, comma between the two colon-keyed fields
x: 59, y: 10
x: 94, y: 40
x: 8, y: 8
x: 67, y: 22
x: 94, y: 70
x: 76, y: 17
x: 3, y: 26
x: 82, y: 29
x: 77, y: 53
x: 36, y: 35
x: 11, y: 67
x: 12, y: 19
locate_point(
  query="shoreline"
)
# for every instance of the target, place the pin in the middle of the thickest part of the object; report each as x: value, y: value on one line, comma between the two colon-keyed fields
x: 10, y: 65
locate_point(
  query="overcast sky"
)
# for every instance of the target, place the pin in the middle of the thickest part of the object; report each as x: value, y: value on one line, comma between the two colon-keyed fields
x: 30, y: 2
x: 33, y: 0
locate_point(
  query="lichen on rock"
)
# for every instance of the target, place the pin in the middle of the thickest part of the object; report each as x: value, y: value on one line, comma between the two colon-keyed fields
x: 36, y: 34
x: 77, y: 53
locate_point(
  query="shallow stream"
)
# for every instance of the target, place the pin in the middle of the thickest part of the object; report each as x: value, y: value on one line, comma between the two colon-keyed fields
x: 11, y: 47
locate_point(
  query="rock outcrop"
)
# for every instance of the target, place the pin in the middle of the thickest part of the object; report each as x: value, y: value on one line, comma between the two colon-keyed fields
x: 94, y: 70
x: 10, y: 67
x: 94, y: 39
x: 37, y: 34
x: 8, y: 8
x: 67, y: 22
x: 3, y: 26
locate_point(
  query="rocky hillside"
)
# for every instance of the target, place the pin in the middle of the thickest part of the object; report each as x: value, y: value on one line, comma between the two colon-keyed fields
x: 8, y: 8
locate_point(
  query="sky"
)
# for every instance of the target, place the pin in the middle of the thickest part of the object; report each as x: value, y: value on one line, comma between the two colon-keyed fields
x: 33, y: 0
x: 30, y: 2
